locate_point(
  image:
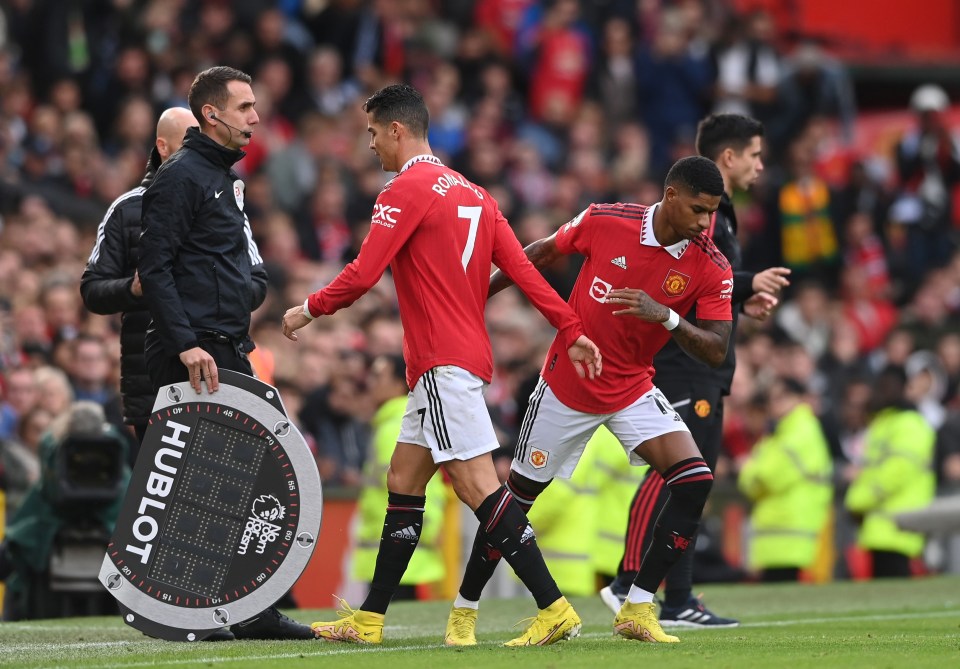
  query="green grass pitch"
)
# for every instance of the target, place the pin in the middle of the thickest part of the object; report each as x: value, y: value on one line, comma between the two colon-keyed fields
x: 907, y: 624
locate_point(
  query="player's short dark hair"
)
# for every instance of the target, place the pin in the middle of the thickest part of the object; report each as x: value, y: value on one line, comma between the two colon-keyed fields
x: 401, y: 103
x: 718, y: 132
x: 210, y: 87
x: 697, y: 174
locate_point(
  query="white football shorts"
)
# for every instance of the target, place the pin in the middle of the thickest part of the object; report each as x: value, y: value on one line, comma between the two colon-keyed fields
x: 447, y: 414
x: 553, y: 435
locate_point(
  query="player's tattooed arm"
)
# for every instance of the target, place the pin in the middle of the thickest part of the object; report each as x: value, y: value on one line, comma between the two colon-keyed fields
x: 542, y: 253
x: 706, y: 341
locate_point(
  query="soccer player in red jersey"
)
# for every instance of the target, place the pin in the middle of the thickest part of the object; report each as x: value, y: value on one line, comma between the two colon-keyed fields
x: 643, y: 267
x: 734, y: 143
x: 440, y: 233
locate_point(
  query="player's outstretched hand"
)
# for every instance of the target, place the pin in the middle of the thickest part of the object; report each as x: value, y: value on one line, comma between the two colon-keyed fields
x: 760, y: 305
x: 771, y: 280
x: 586, y: 357
x: 293, y: 320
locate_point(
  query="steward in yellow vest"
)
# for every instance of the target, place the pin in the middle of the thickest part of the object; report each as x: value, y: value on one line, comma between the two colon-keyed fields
x: 788, y: 477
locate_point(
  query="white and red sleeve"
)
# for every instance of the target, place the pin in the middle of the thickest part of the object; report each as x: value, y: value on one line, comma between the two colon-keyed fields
x: 714, y: 304
x: 576, y: 236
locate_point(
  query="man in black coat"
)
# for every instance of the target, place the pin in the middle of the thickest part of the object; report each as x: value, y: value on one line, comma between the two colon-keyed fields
x: 110, y: 283
x: 196, y: 252
x: 197, y: 260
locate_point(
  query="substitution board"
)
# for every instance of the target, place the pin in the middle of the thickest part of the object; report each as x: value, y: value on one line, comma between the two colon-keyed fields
x: 221, y: 515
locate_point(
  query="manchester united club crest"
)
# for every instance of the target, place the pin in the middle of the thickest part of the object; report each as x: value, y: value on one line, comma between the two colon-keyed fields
x: 538, y: 458
x: 675, y: 283
x: 702, y: 408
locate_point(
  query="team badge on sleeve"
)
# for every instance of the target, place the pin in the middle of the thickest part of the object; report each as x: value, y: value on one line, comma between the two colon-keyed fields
x: 675, y: 283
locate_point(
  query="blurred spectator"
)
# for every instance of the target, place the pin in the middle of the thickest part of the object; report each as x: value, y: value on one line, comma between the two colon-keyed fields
x: 800, y: 231
x: 862, y: 194
x: 928, y: 165
x: 334, y: 416
x: 841, y: 364
x: 748, y: 67
x: 948, y: 354
x: 555, y: 50
x: 613, y: 81
x: 55, y: 389
x: 896, y: 475
x: 863, y: 251
x: 813, y: 85
x: 89, y: 375
x: 926, y: 383
x: 806, y: 318
x: 870, y: 314
x: 788, y: 477
x: 19, y: 458
x: 19, y: 396
x: 674, y: 85
x: 448, y: 118
x: 501, y: 19
x: 327, y: 91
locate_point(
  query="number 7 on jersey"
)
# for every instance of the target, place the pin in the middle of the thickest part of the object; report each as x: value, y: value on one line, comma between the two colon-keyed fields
x: 472, y: 214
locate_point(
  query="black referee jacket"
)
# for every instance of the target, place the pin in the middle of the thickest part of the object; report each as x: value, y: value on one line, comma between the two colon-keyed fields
x: 197, y: 252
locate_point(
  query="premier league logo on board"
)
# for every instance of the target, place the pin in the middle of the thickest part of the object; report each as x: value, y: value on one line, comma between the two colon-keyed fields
x: 214, y: 528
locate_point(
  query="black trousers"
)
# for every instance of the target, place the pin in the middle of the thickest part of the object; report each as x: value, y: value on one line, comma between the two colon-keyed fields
x: 165, y: 369
x: 701, y: 408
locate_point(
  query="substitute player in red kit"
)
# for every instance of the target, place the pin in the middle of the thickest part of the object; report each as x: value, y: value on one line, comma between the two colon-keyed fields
x: 643, y: 266
x: 440, y: 233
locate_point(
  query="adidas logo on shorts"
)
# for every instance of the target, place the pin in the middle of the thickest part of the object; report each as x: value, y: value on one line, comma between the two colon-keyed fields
x: 406, y: 533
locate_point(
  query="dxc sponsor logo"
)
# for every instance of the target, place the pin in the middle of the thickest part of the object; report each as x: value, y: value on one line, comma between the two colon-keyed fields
x: 385, y: 215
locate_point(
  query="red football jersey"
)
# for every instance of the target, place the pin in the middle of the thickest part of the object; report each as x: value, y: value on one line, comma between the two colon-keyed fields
x: 440, y: 233
x: 622, y: 252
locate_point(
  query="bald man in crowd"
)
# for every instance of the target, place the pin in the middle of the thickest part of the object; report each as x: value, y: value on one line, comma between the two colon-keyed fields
x: 110, y: 283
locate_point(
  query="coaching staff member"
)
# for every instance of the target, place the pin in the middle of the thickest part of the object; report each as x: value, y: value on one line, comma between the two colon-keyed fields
x: 196, y: 260
x: 110, y: 283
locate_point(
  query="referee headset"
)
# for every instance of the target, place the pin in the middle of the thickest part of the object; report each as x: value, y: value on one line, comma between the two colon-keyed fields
x: 230, y: 128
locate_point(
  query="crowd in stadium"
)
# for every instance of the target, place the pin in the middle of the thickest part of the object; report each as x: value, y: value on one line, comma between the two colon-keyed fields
x: 549, y: 105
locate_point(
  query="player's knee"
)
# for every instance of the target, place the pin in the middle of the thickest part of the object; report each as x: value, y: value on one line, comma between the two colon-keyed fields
x: 689, y: 482
x: 402, y: 482
x: 525, y: 490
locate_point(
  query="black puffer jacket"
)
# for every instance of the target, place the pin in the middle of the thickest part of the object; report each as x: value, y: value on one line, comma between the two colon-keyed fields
x: 197, y: 251
x: 105, y: 287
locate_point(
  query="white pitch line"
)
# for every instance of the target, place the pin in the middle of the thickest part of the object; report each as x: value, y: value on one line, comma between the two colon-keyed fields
x: 393, y: 649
